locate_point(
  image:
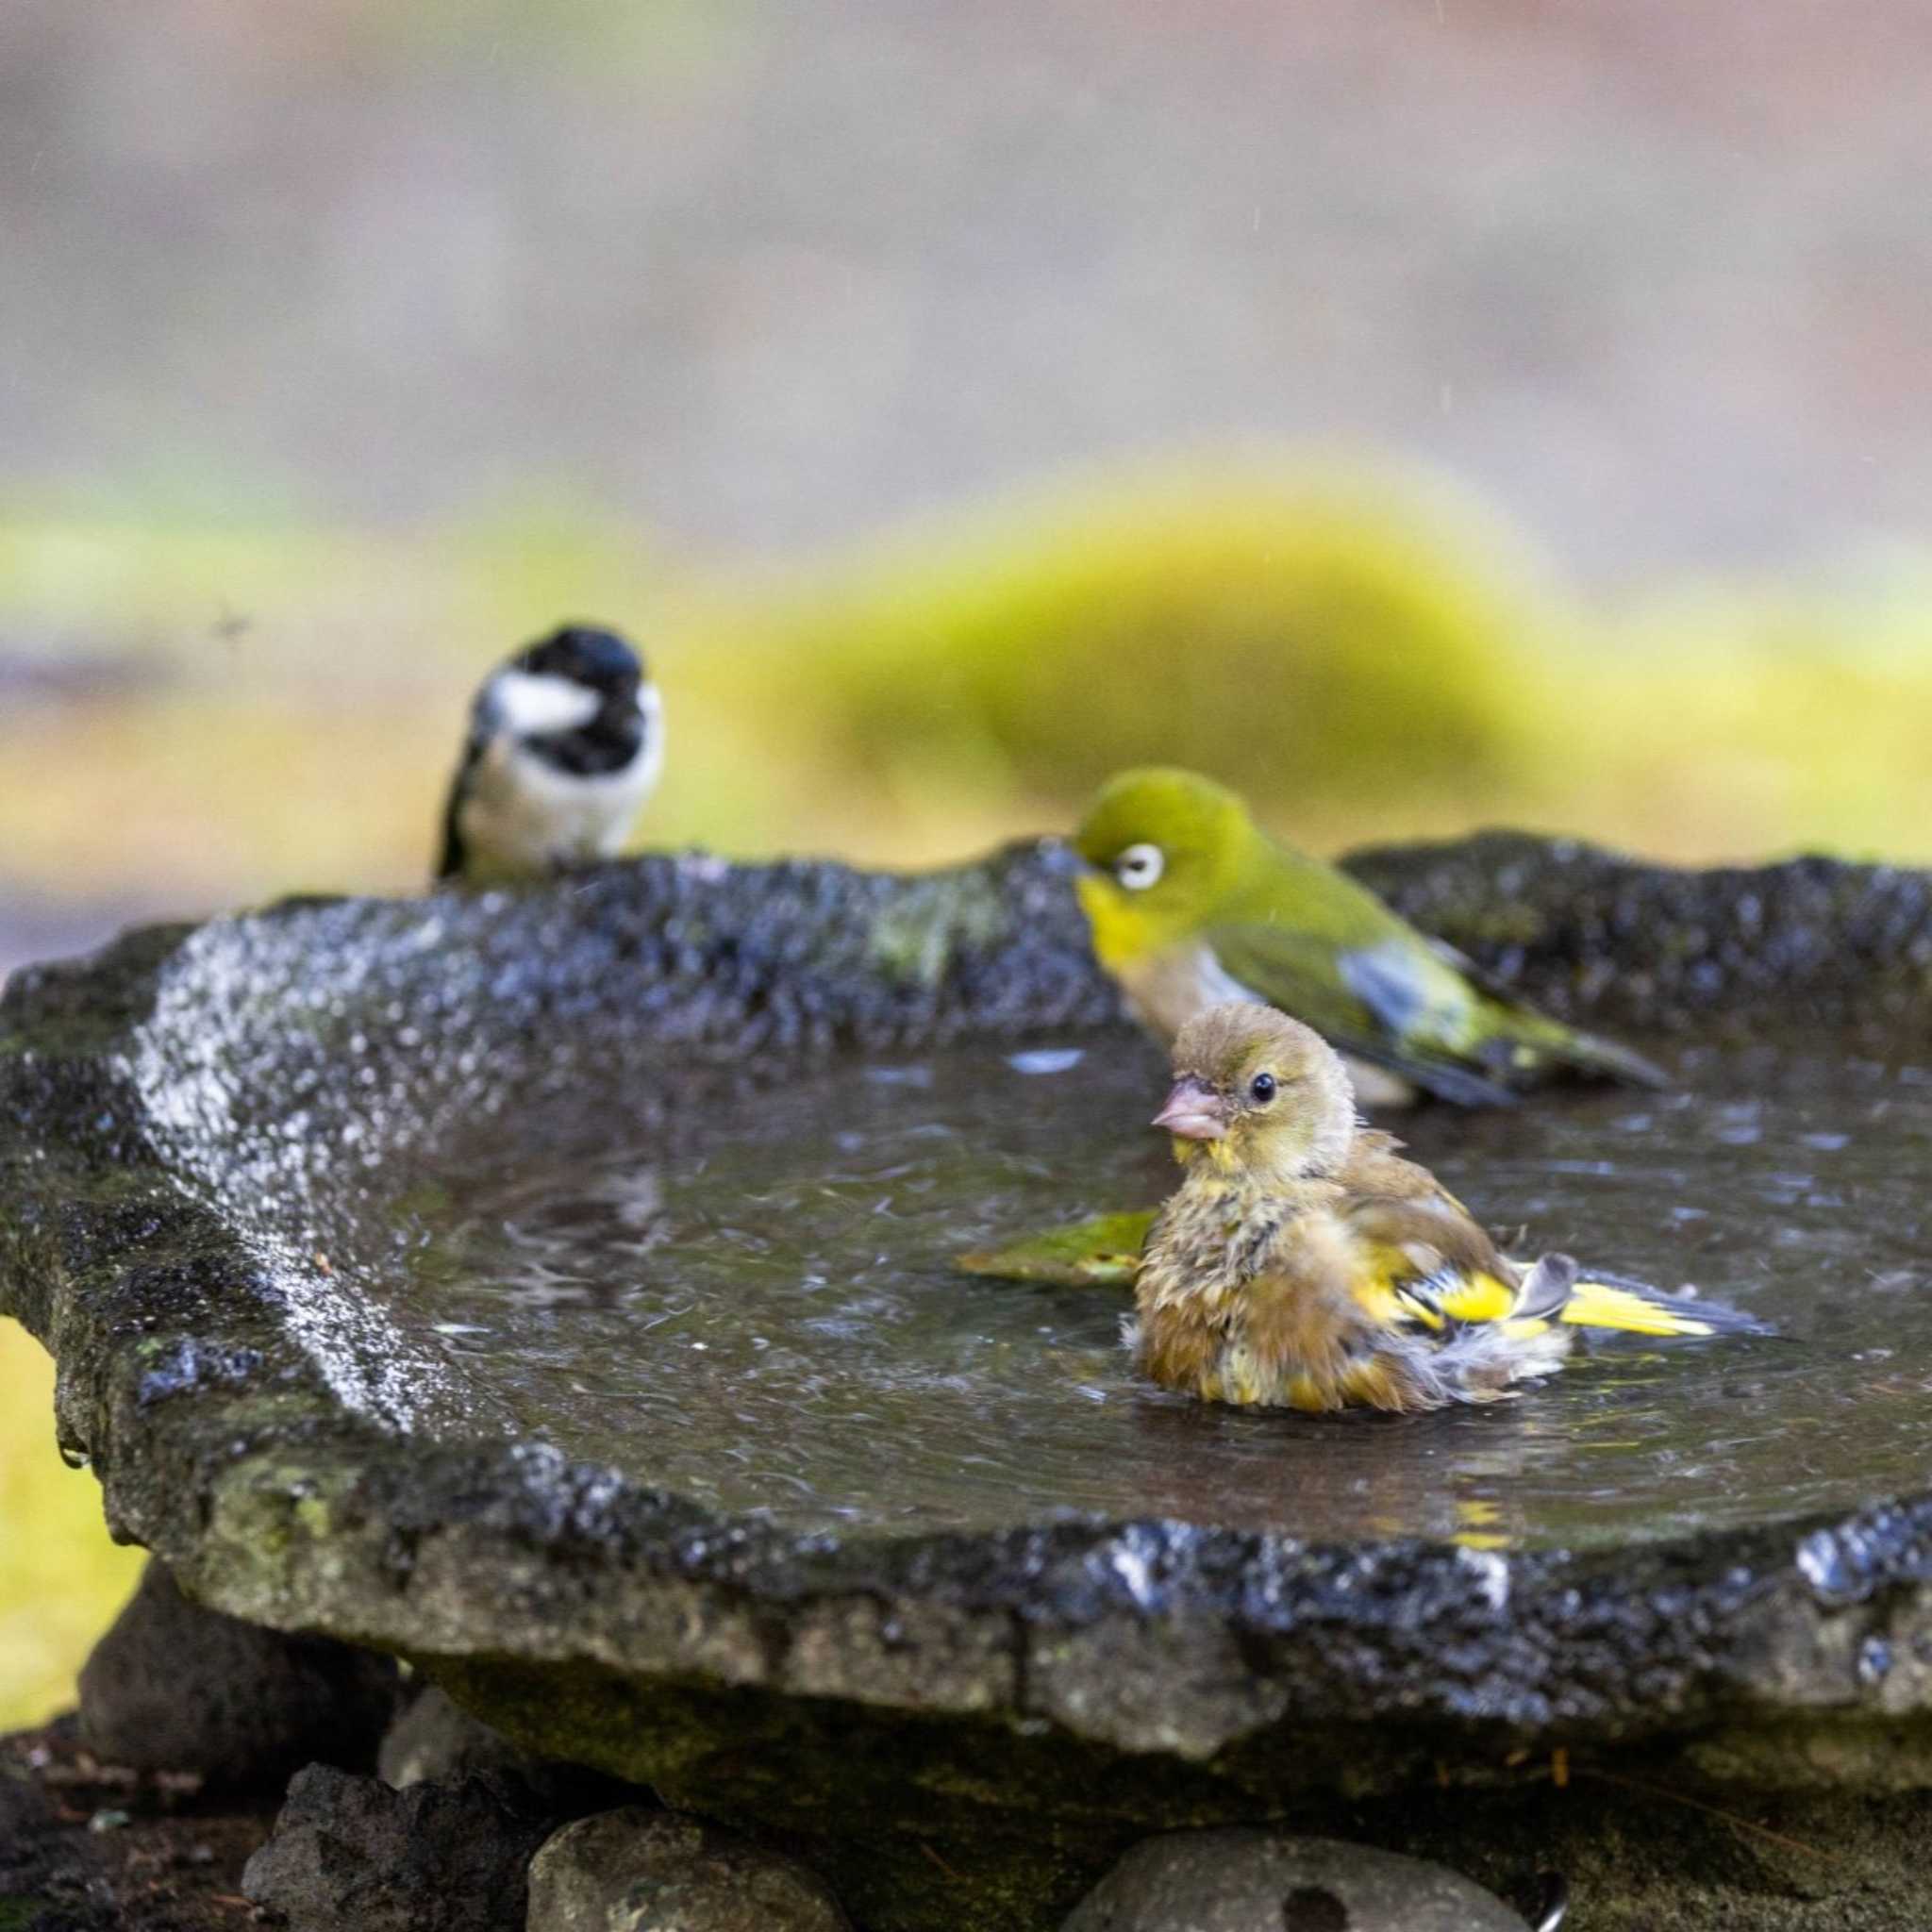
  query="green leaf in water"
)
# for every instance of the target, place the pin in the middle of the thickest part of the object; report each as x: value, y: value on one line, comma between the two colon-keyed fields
x: 1101, y: 1251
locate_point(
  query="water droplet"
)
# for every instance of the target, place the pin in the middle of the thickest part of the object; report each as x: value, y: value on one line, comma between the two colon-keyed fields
x: 1046, y: 1059
x: 1874, y: 1661
x: 899, y: 1076
x: 1826, y: 1565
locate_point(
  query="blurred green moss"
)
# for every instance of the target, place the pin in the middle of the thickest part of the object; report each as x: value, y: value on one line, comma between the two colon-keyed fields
x: 1367, y: 654
x: 1749, y: 719
x: 1327, y: 636
x: 61, y: 1579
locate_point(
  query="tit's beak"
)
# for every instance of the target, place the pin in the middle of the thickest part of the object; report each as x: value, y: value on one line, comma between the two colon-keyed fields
x: 1193, y: 1112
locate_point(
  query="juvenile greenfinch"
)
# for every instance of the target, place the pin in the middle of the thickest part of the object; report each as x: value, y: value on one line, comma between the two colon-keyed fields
x: 1191, y: 902
x: 1297, y: 1268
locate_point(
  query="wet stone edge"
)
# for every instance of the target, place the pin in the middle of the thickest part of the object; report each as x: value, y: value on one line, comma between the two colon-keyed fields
x: 222, y: 1447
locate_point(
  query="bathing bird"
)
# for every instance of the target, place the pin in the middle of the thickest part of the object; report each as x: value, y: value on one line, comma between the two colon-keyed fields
x: 1191, y: 902
x: 1302, y: 1264
x: 565, y: 745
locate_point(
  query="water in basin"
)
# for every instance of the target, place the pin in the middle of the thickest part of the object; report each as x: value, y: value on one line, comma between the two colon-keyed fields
x: 747, y: 1298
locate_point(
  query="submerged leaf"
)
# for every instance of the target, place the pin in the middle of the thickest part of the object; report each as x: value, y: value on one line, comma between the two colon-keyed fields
x: 1101, y: 1252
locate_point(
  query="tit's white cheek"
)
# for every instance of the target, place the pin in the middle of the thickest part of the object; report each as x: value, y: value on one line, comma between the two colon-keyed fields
x: 536, y: 707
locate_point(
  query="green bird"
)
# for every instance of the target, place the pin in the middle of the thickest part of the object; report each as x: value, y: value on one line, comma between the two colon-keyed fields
x: 1190, y: 904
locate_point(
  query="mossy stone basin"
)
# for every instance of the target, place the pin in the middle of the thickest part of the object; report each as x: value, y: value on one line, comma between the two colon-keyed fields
x: 552, y: 1288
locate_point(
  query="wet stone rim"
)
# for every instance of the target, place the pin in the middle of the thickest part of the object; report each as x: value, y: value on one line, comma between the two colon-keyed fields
x: 301, y: 1468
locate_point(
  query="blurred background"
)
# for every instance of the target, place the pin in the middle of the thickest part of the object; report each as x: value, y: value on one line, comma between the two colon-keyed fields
x: 1442, y: 412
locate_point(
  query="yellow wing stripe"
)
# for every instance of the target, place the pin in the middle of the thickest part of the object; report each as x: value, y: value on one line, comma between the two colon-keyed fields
x: 1412, y: 1305
x: 1477, y: 1298
x: 1470, y: 1298
x: 1385, y: 1297
x: 1597, y: 1305
x: 1377, y: 1287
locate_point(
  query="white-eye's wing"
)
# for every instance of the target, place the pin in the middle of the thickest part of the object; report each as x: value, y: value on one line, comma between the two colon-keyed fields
x: 1364, y: 1001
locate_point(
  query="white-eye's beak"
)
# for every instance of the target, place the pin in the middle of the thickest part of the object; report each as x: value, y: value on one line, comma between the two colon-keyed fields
x: 1193, y: 1111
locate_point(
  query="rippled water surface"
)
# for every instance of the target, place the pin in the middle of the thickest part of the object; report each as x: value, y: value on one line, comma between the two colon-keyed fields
x: 750, y: 1300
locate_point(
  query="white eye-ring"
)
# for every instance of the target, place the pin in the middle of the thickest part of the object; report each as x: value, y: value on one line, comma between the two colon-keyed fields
x: 1140, y: 866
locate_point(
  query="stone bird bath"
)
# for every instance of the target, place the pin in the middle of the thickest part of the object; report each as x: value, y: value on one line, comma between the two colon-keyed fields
x: 552, y: 1288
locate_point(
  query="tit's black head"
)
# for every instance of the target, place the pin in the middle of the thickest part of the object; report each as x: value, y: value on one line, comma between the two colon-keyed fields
x: 600, y: 661
x: 607, y: 714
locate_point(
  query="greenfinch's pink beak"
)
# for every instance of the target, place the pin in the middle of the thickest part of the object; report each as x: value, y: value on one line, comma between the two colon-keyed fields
x: 1193, y: 1111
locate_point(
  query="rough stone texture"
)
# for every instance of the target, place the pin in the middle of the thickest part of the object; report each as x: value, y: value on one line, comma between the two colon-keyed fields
x: 435, y: 1739
x: 1583, y: 931
x: 1637, y: 1859
x: 437, y: 1858
x: 635, y: 1871
x: 941, y: 1719
x: 1266, y: 1881
x: 175, y: 1687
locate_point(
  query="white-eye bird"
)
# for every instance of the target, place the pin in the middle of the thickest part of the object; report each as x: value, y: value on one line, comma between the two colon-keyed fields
x: 1190, y: 903
x: 1304, y: 1265
x: 566, y: 742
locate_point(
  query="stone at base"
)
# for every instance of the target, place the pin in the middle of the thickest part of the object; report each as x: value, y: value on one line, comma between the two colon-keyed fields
x: 437, y: 1858
x: 639, y: 1871
x: 1264, y: 1881
x: 173, y: 1686
x: 434, y: 1740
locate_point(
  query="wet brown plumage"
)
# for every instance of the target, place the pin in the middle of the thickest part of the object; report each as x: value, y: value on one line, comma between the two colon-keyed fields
x: 1303, y: 1262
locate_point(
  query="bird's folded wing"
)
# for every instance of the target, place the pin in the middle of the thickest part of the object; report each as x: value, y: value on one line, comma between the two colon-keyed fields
x: 1384, y: 1003
x: 1586, y: 1053
x: 1426, y: 1264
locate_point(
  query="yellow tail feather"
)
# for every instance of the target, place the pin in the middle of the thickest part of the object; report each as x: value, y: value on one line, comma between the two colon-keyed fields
x: 1598, y: 1304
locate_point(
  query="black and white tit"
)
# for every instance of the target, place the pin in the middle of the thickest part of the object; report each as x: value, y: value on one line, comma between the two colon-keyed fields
x: 565, y: 745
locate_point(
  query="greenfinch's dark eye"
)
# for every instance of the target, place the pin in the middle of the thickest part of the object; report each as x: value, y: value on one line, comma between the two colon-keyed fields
x: 1262, y: 1088
x: 1140, y: 866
